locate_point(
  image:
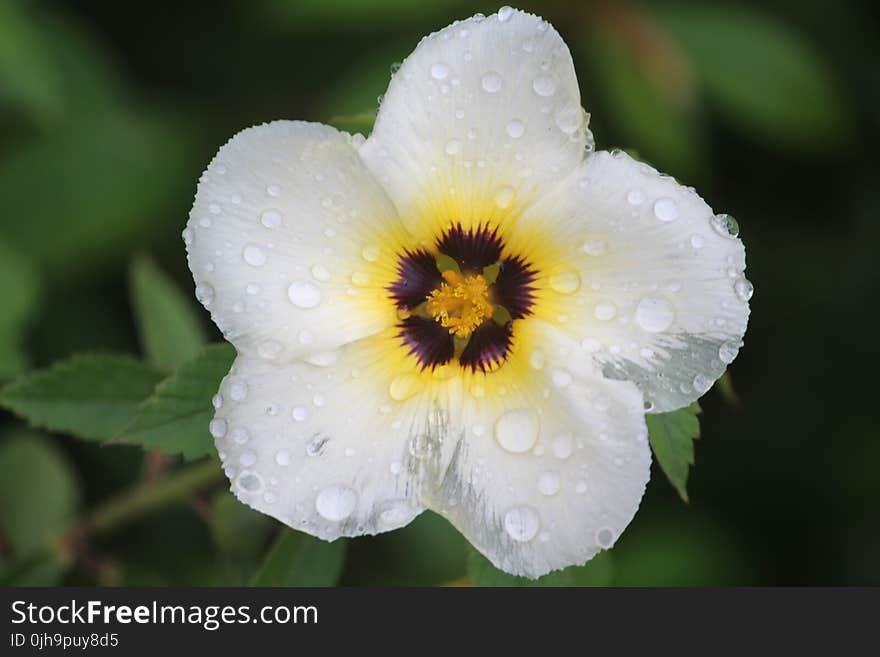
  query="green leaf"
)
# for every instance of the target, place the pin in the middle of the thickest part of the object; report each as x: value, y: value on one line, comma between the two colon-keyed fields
x: 762, y: 75
x: 39, y: 493
x: 170, y: 331
x: 297, y: 559
x: 652, y: 106
x: 238, y: 530
x: 672, y: 438
x: 19, y: 289
x: 175, y: 418
x: 598, y: 571
x: 88, y: 396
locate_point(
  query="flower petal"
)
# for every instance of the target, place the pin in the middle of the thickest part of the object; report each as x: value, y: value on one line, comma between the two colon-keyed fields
x: 548, y: 469
x: 291, y: 242
x: 316, y: 446
x: 476, y: 122
x: 645, y: 275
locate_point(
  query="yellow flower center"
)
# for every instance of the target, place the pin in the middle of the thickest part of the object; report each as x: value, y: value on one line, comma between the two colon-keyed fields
x: 461, y: 303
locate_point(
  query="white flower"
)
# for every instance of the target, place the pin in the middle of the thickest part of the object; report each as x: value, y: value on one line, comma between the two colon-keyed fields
x: 578, y: 290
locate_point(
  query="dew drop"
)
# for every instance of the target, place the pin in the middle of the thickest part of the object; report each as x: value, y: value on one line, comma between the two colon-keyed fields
x: 217, y: 427
x: 504, y: 197
x: 304, y: 294
x: 725, y: 225
x: 605, y: 537
x: 727, y: 352
x: 370, y: 253
x: 537, y: 359
x: 702, y: 383
x: 504, y: 14
x: 594, y: 248
x: 336, y: 503
x: 250, y: 482
x: 273, y: 190
x: 254, y: 255
x: 453, y: 146
x: 605, y: 310
x: 515, y: 129
x: 562, y: 378
x: 580, y: 487
x: 204, y: 293
x: 635, y: 197
x: 439, y: 71
x: 403, y: 387
x: 300, y: 413
x: 238, y: 390
x: 569, y: 119
x: 562, y: 445
x: 743, y: 288
x: 320, y: 273
x: 655, y: 313
x: 491, y: 82
x: 517, y: 430
x: 271, y: 218
x: 548, y: 483
x: 521, y: 523
x: 269, y: 348
x: 565, y: 280
x: 360, y: 279
x: 665, y: 209
x: 544, y: 86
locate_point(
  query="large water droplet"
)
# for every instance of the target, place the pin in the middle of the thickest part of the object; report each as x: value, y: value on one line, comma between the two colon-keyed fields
x: 321, y: 273
x: 238, y: 390
x: 521, y: 523
x: 698, y: 241
x: 282, y: 457
x: 569, y: 118
x: 517, y: 430
x: 300, y: 413
x: 492, y: 82
x: 304, y: 294
x: 565, y: 280
x: 217, y: 427
x: 635, y: 196
x: 702, y: 383
x: 254, y: 255
x: 665, y: 209
x: 655, y: 313
x: 504, y: 197
x: 544, y: 86
x: 336, y: 503
x: 250, y: 482
x: 504, y: 14
x: 605, y: 537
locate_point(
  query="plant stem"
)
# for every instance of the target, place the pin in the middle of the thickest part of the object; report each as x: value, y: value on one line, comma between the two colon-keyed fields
x: 146, y: 497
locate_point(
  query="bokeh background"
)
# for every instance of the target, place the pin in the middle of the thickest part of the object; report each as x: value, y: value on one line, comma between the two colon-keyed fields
x: 109, y: 111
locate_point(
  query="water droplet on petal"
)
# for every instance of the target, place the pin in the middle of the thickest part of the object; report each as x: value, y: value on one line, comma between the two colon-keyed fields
x: 403, y: 387
x: 515, y: 129
x: 504, y: 197
x: 702, y: 383
x: 282, y: 457
x: 521, y: 523
x: 439, y: 71
x: 269, y: 348
x: 254, y: 255
x: 517, y: 430
x: 562, y: 445
x: 204, y: 293
x: 635, y: 197
x: 605, y: 537
x: 453, y: 146
x: 569, y: 118
x: 492, y: 82
x: 665, y: 209
x: 743, y: 288
x: 698, y: 241
x: 565, y: 280
x: 594, y: 248
x: 725, y: 225
x: 537, y: 359
x: 300, y: 413
x: 273, y: 190
x: 336, y: 503
x: 727, y: 352
x: 321, y: 273
x: 562, y: 378
x: 250, y: 482
x: 271, y: 218
x: 217, y: 427
x: 548, y: 483
x: 605, y: 310
x: 544, y: 86
x: 238, y: 390
x: 504, y: 14
x: 304, y: 294
x: 655, y: 313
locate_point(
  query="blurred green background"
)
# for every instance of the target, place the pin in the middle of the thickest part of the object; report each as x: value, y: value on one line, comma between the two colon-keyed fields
x: 109, y: 112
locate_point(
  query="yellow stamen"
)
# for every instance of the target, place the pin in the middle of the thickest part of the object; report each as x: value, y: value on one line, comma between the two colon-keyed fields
x: 461, y: 303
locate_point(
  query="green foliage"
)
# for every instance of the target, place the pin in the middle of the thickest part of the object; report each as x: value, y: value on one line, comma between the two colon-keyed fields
x: 238, y: 530
x: 763, y: 76
x: 599, y: 571
x: 170, y: 331
x: 672, y: 438
x: 652, y: 108
x: 298, y: 559
x: 88, y: 396
x: 39, y: 494
x: 175, y: 418
x: 19, y: 290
